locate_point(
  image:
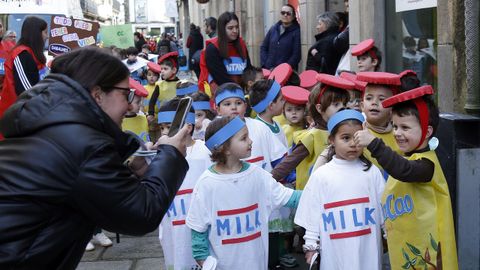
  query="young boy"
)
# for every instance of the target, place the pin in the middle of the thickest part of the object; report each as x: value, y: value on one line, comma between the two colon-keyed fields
x: 369, y: 58
x: 416, y: 202
x: 134, y: 64
x: 135, y: 121
x: 153, y: 74
x: 250, y: 76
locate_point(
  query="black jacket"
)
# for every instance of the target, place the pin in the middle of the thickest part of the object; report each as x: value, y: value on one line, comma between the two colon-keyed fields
x: 328, y: 57
x: 62, y: 173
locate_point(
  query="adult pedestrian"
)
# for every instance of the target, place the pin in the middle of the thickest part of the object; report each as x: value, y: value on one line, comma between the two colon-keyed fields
x: 10, y: 36
x: 72, y: 121
x: 282, y: 42
x: 139, y: 40
x: 25, y: 65
x: 210, y: 25
x: 165, y: 45
x: 225, y: 56
x: 323, y: 57
x: 194, y: 45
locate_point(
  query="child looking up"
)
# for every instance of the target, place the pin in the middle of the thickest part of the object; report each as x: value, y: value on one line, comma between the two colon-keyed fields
x: 203, y: 114
x: 416, y: 202
x: 232, y: 201
x: 369, y: 57
x: 340, y: 204
x: 174, y: 235
x: 135, y: 121
x: 296, y: 99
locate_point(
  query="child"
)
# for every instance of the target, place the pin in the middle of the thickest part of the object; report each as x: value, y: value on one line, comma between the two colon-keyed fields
x: 340, y: 204
x: 267, y: 151
x: 168, y: 86
x: 296, y: 99
x: 416, y: 202
x: 185, y: 88
x: 369, y: 58
x: 409, y: 80
x: 380, y: 86
x: 166, y: 114
x: 249, y: 77
x: 232, y: 201
x: 153, y: 74
x: 174, y: 235
x: 135, y: 121
x: 357, y: 93
x: 203, y: 114
x: 133, y: 64
x: 325, y: 100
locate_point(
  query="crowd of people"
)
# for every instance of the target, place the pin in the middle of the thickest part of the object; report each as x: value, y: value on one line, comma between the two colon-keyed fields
x: 271, y: 161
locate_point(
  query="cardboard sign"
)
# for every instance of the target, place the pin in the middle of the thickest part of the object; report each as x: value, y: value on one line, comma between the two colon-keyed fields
x: 405, y: 5
x: 118, y: 35
x: 67, y: 34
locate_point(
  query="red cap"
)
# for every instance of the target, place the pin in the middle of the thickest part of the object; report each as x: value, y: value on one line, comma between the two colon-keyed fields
x: 295, y: 95
x: 373, y: 77
x: 266, y: 72
x: 281, y: 73
x: 338, y: 82
x: 407, y: 72
x: 363, y: 47
x: 154, y: 67
x: 172, y: 55
x: 414, y: 95
x: 359, y: 85
x: 308, y: 78
x: 139, y: 89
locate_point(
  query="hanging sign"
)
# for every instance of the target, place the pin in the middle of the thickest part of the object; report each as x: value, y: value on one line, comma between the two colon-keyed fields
x: 67, y: 34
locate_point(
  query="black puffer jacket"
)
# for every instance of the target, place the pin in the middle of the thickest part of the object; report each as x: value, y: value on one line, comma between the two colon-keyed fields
x: 62, y: 173
x: 328, y: 56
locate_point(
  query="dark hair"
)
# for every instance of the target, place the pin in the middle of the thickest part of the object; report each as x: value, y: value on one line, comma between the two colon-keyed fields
x: 91, y: 66
x: 260, y: 90
x: 422, y: 43
x: 183, y: 84
x: 331, y: 94
x: 138, y: 35
x: 225, y: 18
x: 377, y: 53
x: 409, y: 108
x: 218, y: 154
x: 343, y: 19
x: 169, y: 63
x: 32, y: 28
x: 294, y: 13
x: 212, y: 22
x: 192, y: 26
x: 294, y: 79
x: 146, y: 46
x: 409, y: 82
x: 200, y: 96
x: 131, y: 51
x: 409, y: 41
x: 249, y: 74
x: 331, y: 152
x: 226, y: 87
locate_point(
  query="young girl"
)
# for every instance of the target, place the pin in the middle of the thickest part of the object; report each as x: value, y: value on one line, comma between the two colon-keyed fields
x: 135, y: 121
x: 326, y: 99
x: 296, y: 99
x: 232, y: 201
x: 203, y: 114
x: 340, y: 204
x: 174, y: 235
x: 369, y: 57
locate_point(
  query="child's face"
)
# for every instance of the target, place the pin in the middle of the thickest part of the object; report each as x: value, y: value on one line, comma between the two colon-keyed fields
x: 165, y: 128
x: 152, y: 77
x: 294, y: 113
x: 332, y: 109
x: 407, y: 132
x: 240, y: 145
x: 277, y: 106
x: 232, y: 107
x: 355, y: 99
x: 136, y: 104
x: 372, y: 105
x: 167, y: 72
x: 200, y: 115
x: 366, y: 63
x: 345, y: 147
x: 132, y: 57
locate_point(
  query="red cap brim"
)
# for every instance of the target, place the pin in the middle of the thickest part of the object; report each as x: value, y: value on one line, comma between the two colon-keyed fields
x: 334, y: 81
x: 359, y: 85
x: 139, y: 89
x: 385, y: 78
x: 407, y: 72
x: 266, y: 72
x: 408, y: 95
x: 154, y: 67
x: 295, y: 95
x: 172, y: 55
x: 363, y: 47
x: 281, y: 73
x: 308, y: 78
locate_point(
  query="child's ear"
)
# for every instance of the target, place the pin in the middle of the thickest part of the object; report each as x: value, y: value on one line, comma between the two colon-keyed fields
x: 375, y: 62
x: 429, y: 133
x: 318, y: 107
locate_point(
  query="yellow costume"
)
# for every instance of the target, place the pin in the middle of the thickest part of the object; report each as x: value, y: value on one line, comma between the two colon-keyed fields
x: 388, y: 139
x: 146, y: 101
x: 281, y: 120
x: 315, y: 140
x: 138, y: 125
x: 289, y: 130
x: 419, y: 221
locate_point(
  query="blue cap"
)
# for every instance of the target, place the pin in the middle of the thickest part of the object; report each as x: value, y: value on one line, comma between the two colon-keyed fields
x: 238, y: 93
x: 225, y: 133
x: 272, y: 93
x: 344, y: 115
x: 187, y: 90
x: 167, y: 117
x: 201, y: 105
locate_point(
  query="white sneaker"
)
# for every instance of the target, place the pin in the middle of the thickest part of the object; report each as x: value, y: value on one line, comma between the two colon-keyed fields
x: 90, y: 246
x: 101, y: 239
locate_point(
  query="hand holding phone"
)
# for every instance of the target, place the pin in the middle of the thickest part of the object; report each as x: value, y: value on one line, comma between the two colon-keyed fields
x: 181, y: 113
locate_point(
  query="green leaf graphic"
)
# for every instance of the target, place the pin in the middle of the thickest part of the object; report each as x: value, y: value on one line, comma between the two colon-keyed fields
x: 433, y: 243
x: 406, y: 265
x: 414, y: 250
x: 405, y: 255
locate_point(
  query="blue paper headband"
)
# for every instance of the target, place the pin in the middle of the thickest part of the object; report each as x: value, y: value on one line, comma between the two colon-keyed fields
x: 344, y: 115
x: 272, y: 93
x: 201, y: 105
x: 225, y: 133
x: 238, y: 93
x: 167, y: 117
x: 187, y: 90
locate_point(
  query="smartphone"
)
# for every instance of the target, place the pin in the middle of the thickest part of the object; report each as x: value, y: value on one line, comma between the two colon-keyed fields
x: 181, y: 113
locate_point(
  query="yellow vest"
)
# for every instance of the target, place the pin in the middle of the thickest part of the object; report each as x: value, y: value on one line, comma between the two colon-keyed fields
x: 146, y: 101
x: 168, y: 90
x: 137, y: 125
x: 281, y: 120
x: 389, y: 140
x: 289, y: 130
x: 418, y: 220
x: 315, y: 140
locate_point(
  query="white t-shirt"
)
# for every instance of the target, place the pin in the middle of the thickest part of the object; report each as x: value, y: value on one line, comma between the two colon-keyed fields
x: 175, y: 236
x: 341, y: 204
x: 235, y: 209
x: 265, y: 145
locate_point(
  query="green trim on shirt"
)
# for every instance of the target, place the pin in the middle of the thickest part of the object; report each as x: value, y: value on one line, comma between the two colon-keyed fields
x: 245, y: 166
x: 275, y: 128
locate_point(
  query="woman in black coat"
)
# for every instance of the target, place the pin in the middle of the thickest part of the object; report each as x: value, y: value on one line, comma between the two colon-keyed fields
x: 64, y: 172
x: 323, y: 57
x: 194, y: 44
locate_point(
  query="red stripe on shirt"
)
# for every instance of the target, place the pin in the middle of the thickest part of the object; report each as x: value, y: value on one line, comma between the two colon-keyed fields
x: 184, y: 191
x: 350, y: 234
x: 241, y: 239
x: 346, y: 202
x: 237, y: 211
x: 253, y: 160
x: 178, y: 222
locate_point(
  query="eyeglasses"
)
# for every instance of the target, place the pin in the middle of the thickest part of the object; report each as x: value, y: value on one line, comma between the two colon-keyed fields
x: 131, y: 93
x: 286, y: 13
